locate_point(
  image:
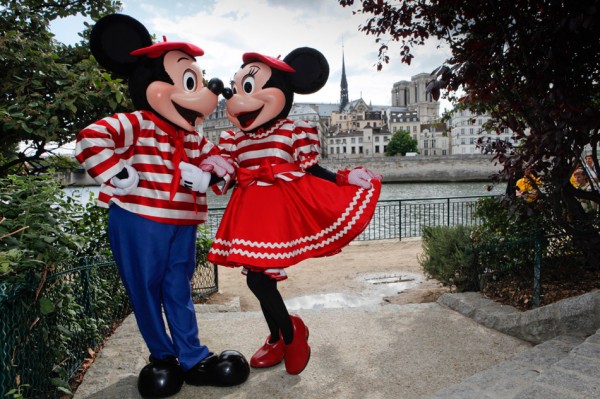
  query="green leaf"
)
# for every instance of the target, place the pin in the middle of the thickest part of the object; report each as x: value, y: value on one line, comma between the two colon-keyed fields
x: 46, y: 306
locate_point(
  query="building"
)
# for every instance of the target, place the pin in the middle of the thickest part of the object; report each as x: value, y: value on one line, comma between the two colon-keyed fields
x: 467, y: 128
x: 216, y: 123
x: 412, y: 95
x: 434, y: 140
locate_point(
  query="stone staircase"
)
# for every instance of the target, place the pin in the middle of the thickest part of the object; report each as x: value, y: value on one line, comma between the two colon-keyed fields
x: 565, y: 365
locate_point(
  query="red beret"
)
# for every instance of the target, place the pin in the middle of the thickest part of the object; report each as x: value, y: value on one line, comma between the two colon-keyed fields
x: 158, y: 49
x: 270, y: 61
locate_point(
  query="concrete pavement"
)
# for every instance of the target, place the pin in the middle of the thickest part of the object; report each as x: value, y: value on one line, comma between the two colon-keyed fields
x: 385, y: 351
x: 381, y: 351
x: 464, y: 346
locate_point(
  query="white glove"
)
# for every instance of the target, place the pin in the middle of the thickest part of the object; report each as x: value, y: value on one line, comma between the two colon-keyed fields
x: 193, y: 177
x: 126, y: 185
x: 361, y: 176
x: 218, y: 165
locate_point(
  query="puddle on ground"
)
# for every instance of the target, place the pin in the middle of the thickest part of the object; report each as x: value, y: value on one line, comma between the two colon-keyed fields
x: 377, y: 286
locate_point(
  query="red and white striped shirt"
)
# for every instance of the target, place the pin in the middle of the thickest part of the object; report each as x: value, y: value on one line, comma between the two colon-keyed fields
x: 287, y: 141
x: 154, y: 148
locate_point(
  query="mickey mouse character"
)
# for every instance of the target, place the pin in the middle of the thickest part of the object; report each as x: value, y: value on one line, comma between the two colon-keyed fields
x: 154, y: 169
x: 285, y: 207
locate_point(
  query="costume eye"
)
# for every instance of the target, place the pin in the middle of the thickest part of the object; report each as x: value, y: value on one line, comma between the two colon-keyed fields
x: 189, y: 80
x: 248, y: 84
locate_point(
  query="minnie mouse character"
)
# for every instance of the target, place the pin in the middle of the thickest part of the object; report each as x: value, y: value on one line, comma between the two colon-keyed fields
x: 154, y: 169
x: 285, y: 207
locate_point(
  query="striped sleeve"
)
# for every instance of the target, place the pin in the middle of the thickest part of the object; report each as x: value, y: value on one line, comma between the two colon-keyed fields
x: 306, y: 144
x: 102, y: 146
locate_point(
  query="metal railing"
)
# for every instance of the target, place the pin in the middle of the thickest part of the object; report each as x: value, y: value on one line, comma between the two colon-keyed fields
x: 48, y: 326
x: 403, y: 218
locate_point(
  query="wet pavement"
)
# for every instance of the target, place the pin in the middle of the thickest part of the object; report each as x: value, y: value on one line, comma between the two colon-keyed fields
x: 377, y: 287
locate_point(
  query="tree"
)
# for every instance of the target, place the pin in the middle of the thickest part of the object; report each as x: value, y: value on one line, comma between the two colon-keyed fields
x: 532, y: 65
x: 50, y: 90
x: 401, y: 143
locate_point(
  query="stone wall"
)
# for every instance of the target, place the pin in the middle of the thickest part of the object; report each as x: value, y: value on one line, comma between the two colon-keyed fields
x: 453, y: 168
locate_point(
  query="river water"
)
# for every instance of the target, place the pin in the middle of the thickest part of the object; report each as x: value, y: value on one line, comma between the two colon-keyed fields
x: 389, y: 191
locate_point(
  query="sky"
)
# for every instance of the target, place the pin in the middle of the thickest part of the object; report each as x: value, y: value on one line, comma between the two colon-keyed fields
x: 225, y: 29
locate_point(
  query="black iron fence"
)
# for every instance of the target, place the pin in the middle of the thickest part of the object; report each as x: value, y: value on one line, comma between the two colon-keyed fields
x: 403, y: 218
x: 48, y: 326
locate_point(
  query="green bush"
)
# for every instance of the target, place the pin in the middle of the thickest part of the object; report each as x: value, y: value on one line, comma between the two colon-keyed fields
x: 35, y: 215
x: 447, y: 257
x: 58, y: 312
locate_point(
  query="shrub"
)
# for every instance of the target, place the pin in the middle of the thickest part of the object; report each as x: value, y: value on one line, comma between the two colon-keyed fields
x: 34, y: 218
x: 447, y: 257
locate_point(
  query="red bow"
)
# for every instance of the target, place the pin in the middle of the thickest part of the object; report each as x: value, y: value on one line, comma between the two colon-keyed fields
x: 266, y: 173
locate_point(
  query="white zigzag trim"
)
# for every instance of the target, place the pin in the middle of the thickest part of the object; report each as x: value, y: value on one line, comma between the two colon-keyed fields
x: 296, y: 252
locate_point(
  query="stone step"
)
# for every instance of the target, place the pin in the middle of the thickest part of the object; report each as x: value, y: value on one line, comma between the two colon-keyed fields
x: 565, y: 367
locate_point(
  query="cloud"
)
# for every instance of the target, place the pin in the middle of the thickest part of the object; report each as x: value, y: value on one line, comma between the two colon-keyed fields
x: 226, y: 29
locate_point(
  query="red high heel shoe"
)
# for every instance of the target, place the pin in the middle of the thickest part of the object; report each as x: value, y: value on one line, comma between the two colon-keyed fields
x: 268, y: 355
x: 297, y: 353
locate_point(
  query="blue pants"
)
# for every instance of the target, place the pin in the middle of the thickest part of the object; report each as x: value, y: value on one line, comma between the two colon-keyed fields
x: 156, y: 262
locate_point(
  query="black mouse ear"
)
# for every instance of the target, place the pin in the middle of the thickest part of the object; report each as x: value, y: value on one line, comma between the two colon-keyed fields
x: 312, y: 70
x: 112, y: 40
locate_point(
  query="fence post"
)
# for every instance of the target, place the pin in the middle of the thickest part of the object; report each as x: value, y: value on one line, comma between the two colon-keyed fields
x: 448, y: 209
x: 537, y: 268
x: 400, y: 220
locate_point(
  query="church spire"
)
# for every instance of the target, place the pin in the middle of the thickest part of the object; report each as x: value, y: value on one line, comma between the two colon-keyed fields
x: 343, y: 85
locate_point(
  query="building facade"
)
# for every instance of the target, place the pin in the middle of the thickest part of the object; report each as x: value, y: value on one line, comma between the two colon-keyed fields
x: 466, y: 130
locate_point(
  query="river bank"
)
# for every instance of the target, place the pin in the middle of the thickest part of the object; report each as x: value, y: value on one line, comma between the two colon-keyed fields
x: 397, y: 169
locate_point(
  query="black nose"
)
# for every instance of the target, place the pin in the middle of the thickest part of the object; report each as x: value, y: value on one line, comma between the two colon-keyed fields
x: 227, y: 93
x: 216, y: 86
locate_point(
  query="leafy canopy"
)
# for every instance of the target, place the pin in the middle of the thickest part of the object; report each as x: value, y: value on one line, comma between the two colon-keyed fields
x: 401, y: 143
x: 50, y: 90
x: 532, y: 65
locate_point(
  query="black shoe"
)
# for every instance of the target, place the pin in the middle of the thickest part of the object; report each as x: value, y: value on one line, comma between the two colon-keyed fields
x: 228, y: 369
x: 160, y: 378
